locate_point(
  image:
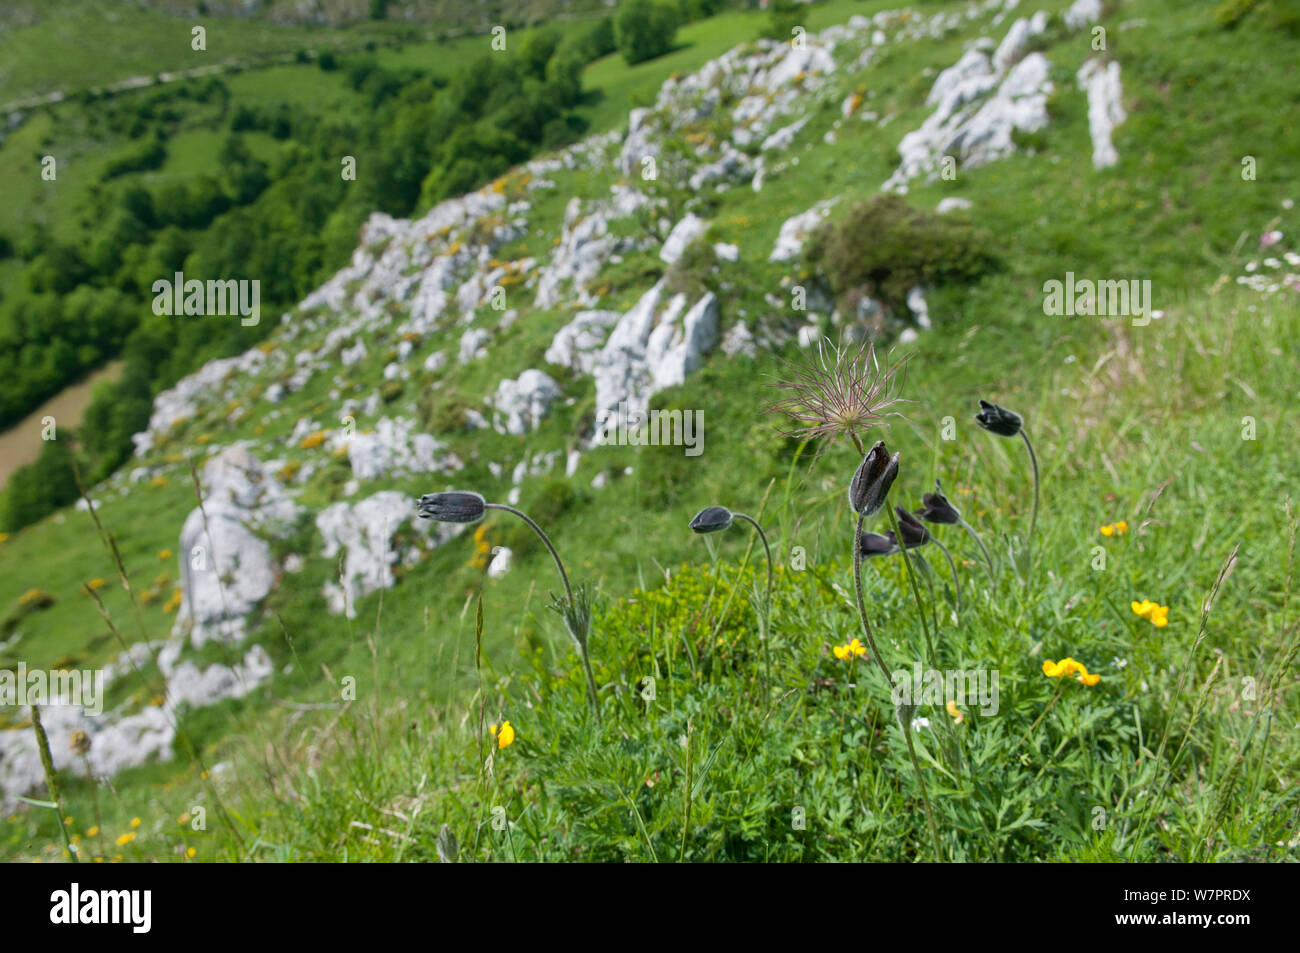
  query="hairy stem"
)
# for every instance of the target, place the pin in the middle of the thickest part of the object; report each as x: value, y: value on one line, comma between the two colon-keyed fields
x: 956, y: 586
x: 767, y: 550
x: 916, y: 590
x: 564, y: 577
x: 1033, y: 520
x: 925, y: 797
x: 993, y: 576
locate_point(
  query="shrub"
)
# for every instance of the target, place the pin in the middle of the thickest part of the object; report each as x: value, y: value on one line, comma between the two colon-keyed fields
x: 644, y: 29
x: 884, y: 248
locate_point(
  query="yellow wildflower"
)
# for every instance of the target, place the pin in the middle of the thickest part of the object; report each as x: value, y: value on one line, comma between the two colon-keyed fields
x: 1153, y: 612
x: 126, y: 838
x: 93, y: 832
x: 164, y: 554
x: 96, y: 583
x: 955, y: 712
x: 135, y: 822
x: 1068, y: 666
x: 849, y: 650
x: 505, y: 737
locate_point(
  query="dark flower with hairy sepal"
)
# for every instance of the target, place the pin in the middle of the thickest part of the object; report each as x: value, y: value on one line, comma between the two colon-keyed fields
x: 877, y: 544
x: 938, y: 508
x: 911, y: 530
x: 711, y: 519
x: 455, y: 506
x: 999, y: 420
x: 871, y: 482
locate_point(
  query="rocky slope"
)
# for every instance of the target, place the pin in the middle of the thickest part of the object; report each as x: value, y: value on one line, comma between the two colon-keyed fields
x: 322, y: 423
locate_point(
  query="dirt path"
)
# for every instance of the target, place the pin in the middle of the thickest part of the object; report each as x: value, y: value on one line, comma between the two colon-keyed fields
x: 21, y: 443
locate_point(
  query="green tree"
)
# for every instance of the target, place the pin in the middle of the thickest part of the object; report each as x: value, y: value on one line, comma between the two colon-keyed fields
x: 644, y: 29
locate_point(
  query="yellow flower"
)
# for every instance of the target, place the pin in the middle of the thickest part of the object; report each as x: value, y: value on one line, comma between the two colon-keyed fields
x: 96, y: 583
x: 190, y: 852
x: 164, y: 554
x: 1057, y: 669
x: 505, y: 737
x: 1153, y: 612
x: 135, y: 822
x: 955, y: 712
x: 1068, y: 666
x: 173, y: 603
x: 1108, y: 531
x: 1115, y: 529
x: 849, y: 650
x: 126, y: 839
x: 93, y: 832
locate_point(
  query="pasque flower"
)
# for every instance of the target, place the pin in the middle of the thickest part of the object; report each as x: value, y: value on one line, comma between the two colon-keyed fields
x: 1008, y: 423
x: 877, y: 544
x: 711, y: 519
x: 911, y: 530
x: 937, y: 508
x: 875, y: 475
x: 999, y: 420
x: 455, y: 506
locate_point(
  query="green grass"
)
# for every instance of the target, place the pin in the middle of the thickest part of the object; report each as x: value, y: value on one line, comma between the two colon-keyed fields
x: 1138, y: 424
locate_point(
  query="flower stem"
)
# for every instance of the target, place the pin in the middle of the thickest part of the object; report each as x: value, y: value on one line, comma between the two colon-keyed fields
x: 925, y: 797
x: 568, y: 592
x: 767, y: 550
x: 993, y: 576
x: 1033, y: 520
x: 862, y: 605
x: 564, y: 577
x: 916, y: 591
x: 956, y: 586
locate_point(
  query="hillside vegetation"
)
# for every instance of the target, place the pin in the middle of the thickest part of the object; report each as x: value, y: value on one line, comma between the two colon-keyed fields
x: 377, y: 670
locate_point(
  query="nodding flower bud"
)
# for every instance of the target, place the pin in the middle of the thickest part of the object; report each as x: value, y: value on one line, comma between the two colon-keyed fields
x: 911, y: 530
x: 877, y: 544
x: 998, y: 420
x: 871, y: 482
x: 711, y: 519
x: 937, y: 508
x: 455, y: 506
x: 79, y: 742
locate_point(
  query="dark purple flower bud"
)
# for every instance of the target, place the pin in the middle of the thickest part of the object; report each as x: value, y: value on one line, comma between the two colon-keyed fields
x: 937, y: 508
x: 911, y: 530
x: 455, y: 506
x: 998, y: 420
x: 711, y: 519
x: 877, y: 544
x: 871, y: 482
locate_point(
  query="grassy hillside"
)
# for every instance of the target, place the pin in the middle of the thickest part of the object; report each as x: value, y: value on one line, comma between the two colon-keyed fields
x: 1180, y: 744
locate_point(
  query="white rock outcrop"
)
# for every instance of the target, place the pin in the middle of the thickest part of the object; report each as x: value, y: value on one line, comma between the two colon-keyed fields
x: 1105, y: 108
x: 577, y: 344
x: 225, y: 561
x: 521, y: 404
